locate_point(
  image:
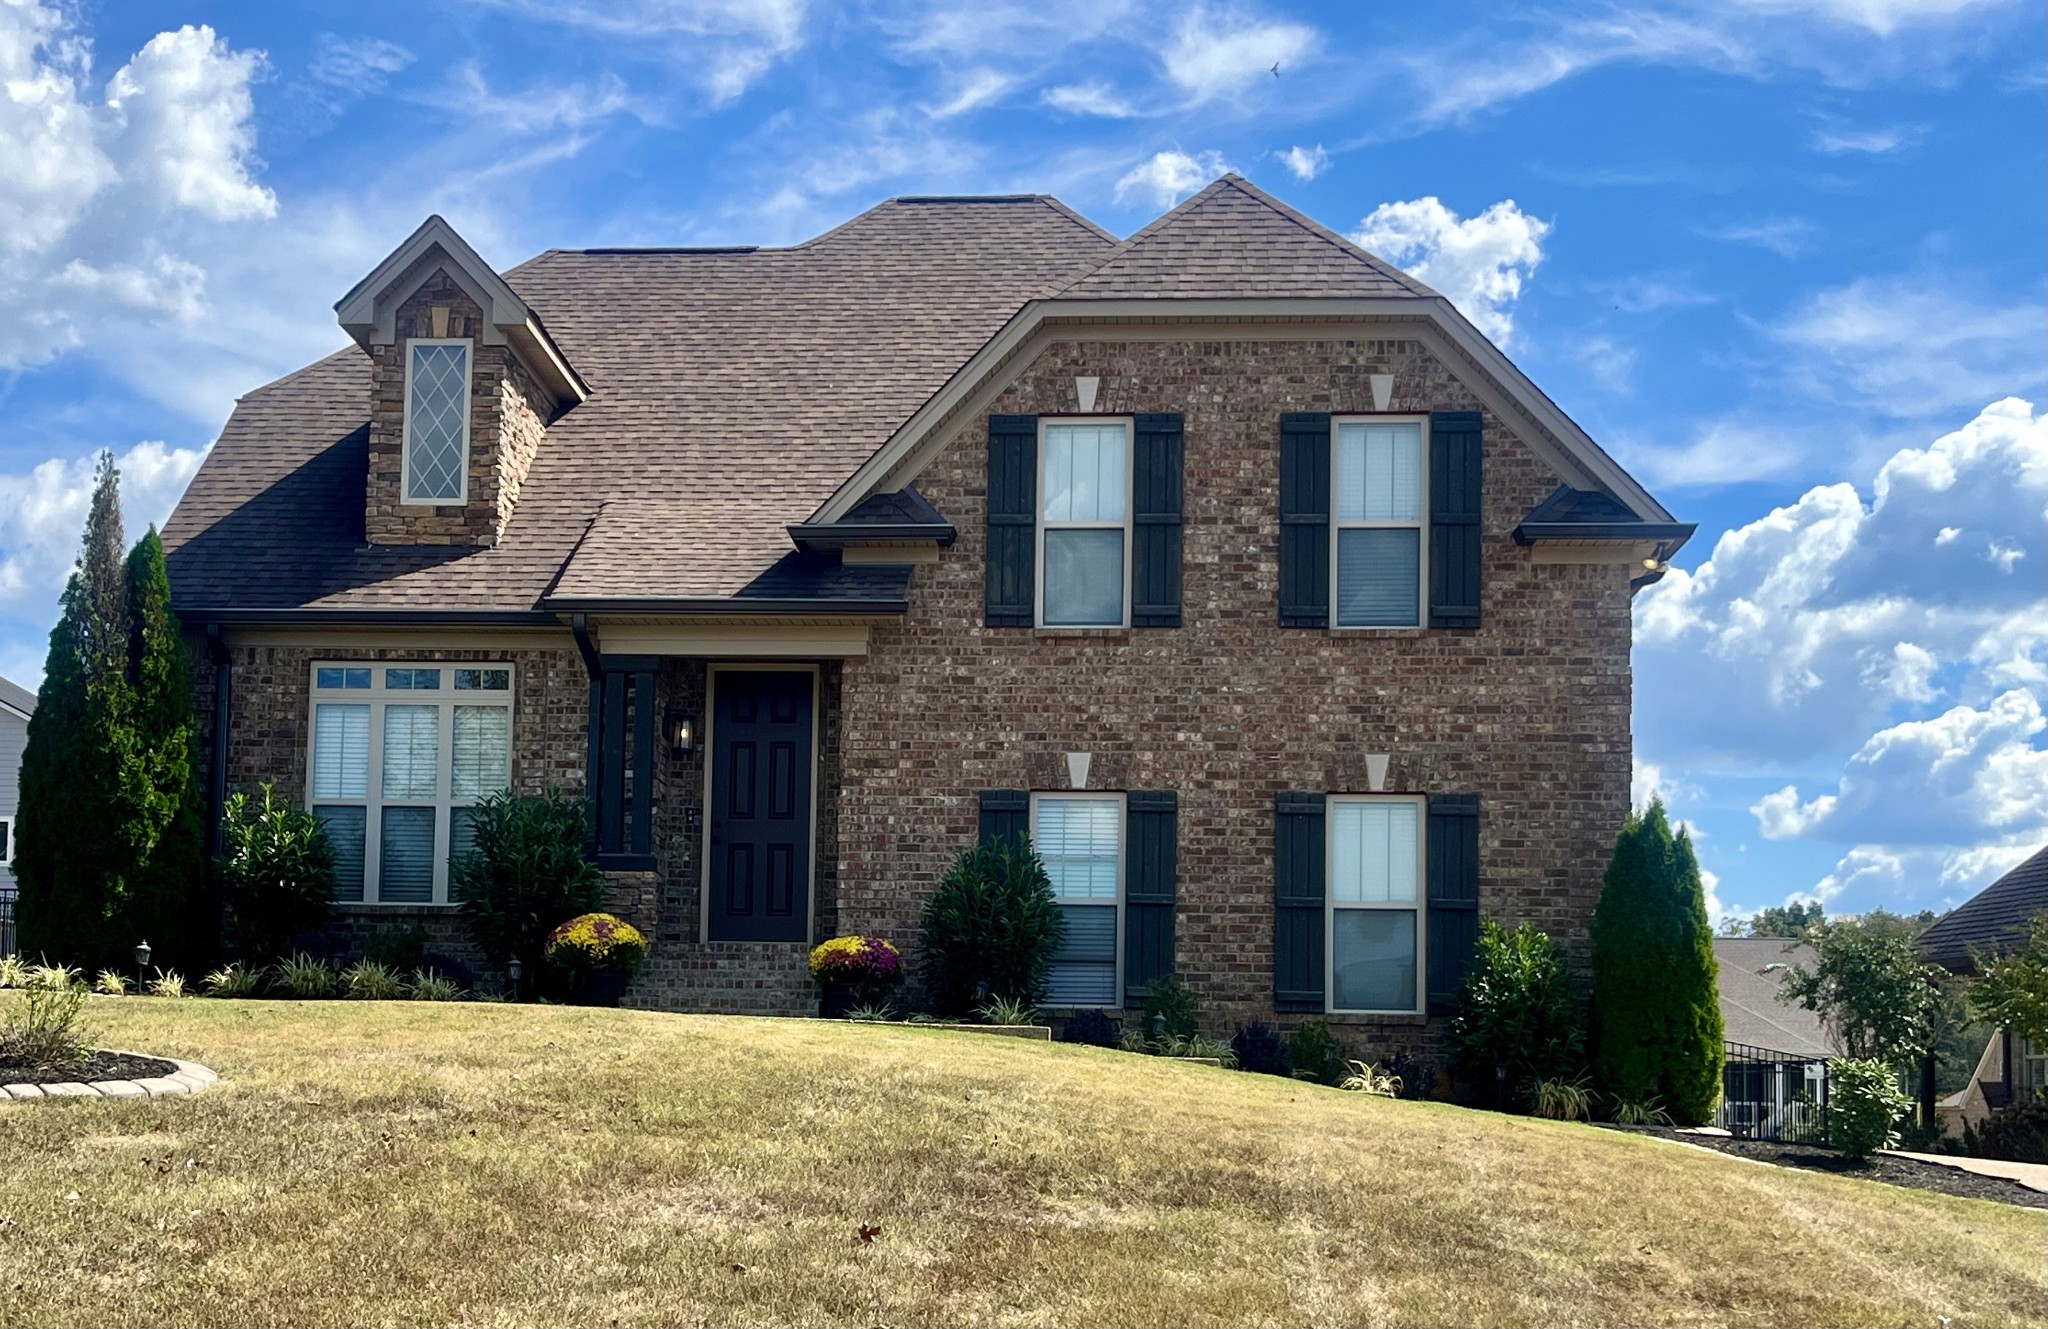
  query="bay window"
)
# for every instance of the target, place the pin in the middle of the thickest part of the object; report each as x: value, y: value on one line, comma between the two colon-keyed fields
x: 1084, y: 523
x: 1379, y: 510
x: 1374, y: 902
x: 399, y: 754
x: 1080, y: 839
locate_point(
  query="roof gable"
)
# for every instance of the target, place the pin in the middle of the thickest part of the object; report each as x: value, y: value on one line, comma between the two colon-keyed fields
x: 1234, y: 240
x: 1993, y: 920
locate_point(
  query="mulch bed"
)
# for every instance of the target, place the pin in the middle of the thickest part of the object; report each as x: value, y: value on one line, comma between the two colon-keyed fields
x: 98, y: 1066
x: 1885, y: 1168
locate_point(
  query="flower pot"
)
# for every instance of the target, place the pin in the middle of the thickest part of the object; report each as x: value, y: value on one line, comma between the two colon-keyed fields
x: 837, y: 1000
x: 601, y: 987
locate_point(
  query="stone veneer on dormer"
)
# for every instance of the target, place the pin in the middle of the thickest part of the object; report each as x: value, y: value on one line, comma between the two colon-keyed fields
x: 508, y: 415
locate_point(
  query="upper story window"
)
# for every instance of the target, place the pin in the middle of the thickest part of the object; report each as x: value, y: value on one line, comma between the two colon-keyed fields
x: 1374, y: 899
x: 1379, y: 507
x: 1084, y: 523
x: 399, y: 754
x: 1080, y: 839
x: 436, y: 447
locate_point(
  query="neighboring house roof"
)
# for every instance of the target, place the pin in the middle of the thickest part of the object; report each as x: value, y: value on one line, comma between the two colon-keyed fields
x: 16, y: 698
x: 746, y: 407
x: 1751, y: 1013
x: 1994, y: 919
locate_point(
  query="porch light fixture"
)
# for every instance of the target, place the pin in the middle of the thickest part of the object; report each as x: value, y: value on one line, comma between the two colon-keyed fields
x: 682, y: 732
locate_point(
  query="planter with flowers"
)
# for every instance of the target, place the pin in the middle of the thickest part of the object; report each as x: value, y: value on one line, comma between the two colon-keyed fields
x: 853, y: 972
x: 597, y: 953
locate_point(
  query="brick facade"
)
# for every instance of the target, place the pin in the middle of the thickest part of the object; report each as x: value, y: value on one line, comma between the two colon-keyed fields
x: 508, y: 417
x: 1530, y: 710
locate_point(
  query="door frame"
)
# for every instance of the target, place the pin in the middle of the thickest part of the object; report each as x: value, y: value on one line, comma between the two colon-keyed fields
x: 712, y: 670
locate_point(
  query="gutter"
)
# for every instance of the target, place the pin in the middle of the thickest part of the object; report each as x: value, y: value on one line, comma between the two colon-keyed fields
x: 820, y: 536
x: 1679, y: 532
x: 836, y: 608
x: 373, y: 618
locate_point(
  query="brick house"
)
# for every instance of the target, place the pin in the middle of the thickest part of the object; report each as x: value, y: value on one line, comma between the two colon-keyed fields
x: 1233, y: 564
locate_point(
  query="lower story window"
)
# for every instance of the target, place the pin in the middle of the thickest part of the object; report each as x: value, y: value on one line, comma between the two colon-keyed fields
x: 399, y: 754
x: 2033, y: 1061
x: 1376, y: 920
x: 1079, y: 838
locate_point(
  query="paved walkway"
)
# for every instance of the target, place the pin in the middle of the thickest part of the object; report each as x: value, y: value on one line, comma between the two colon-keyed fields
x: 2033, y: 1176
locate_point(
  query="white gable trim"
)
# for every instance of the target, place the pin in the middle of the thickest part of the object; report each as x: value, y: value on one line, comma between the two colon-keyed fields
x: 1433, y: 321
x: 369, y: 311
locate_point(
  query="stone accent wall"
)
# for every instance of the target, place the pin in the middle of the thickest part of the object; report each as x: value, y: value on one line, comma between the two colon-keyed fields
x: 509, y: 414
x: 270, y: 701
x: 1530, y: 710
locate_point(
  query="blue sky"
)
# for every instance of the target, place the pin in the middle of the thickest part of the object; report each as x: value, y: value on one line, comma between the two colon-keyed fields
x: 1784, y: 257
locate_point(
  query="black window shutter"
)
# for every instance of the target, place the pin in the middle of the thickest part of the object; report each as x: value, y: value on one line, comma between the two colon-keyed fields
x: 1157, y: 467
x: 1012, y: 520
x: 1453, y: 854
x: 1152, y: 820
x: 1298, y: 901
x: 1305, y: 519
x: 1454, y: 511
x: 1004, y: 813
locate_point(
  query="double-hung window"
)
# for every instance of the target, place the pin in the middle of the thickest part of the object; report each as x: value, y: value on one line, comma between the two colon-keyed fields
x: 399, y: 754
x: 1080, y: 839
x: 1376, y: 917
x: 435, y: 452
x: 2033, y: 1059
x: 1084, y: 523
x: 1378, y: 485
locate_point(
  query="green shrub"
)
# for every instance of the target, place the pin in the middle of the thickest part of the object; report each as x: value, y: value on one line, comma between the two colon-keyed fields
x: 527, y: 872
x: 278, y: 868
x: 1517, y: 1011
x: 1864, y: 1106
x: 1259, y: 1049
x: 1003, y: 1011
x: 56, y: 976
x: 1314, y: 1053
x: 1656, y: 1009
x: 233, y: 980
x: 872, y: 1013
x: 44, y: 1028
x: 2019, y: 1134
x: 306, y: 977
x: 1090, y: 1028
x: 1172, y: 1008
x: 991, y: 928
x: 397, y: 949
x: 431, y: 985
x: 368, y: 980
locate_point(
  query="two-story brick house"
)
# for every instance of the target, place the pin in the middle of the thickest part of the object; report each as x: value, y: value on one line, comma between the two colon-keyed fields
x: 1231, y: 563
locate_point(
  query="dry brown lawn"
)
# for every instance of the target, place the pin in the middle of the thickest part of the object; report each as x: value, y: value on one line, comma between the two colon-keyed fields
x: 369, y: 1163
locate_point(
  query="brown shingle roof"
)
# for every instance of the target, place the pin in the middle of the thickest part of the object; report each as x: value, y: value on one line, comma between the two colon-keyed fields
x: 1993, y: 920
x: 1752, y: 975
x: 730, y: 392
x: 1235, y: 241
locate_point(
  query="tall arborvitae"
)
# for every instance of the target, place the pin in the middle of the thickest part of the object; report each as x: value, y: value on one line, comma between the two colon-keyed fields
x: 165, y: 823
x: 1656, y: 1012
x: 70, y: 870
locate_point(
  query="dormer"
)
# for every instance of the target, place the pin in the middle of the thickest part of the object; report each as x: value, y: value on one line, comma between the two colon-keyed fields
x: 465, y: 382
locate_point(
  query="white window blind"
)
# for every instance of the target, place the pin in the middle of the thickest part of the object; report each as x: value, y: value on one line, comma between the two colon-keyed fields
x: 1080, y: 841
x: 1084, y: 519
x: 1375, y: 893
x: 483, y: 751
x: 341, y: 751
x: 412, y: 752
x: 1379, y: 518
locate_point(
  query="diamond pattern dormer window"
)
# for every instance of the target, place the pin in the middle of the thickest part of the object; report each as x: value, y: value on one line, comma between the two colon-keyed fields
x: 436, y: 421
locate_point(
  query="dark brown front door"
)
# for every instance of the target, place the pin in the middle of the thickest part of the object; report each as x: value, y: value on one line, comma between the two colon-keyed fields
x: 761, y: 749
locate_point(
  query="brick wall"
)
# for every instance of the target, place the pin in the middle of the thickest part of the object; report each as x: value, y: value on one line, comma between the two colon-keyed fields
x: 1530, y: 710
x: 508, y: 417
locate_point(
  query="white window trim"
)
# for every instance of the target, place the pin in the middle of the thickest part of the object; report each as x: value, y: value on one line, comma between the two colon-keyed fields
x: 377, y: 696
x: 1039, y: 522
x: 1123, y: 851
x: 1420, y: 907
x: 405, y: 494
x: 6, y: 840
x: 1420, y: 525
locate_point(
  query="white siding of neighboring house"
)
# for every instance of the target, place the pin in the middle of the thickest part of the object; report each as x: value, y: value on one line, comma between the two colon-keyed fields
x: 13, y: 737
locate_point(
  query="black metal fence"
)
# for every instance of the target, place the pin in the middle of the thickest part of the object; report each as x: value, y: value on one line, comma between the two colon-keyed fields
x: 1768, y: 1095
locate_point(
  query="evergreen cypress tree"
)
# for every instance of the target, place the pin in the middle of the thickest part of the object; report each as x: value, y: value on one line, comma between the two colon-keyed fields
x: 1656, y: 1011
x: 69, y: 868
x: 165, y: 824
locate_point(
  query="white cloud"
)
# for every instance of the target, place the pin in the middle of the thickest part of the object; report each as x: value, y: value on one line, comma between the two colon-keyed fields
x: 42, y: 513
x: 1306, y: 163
x: 1479, y: 262
x: 359, y: 65
x: 1088, y: 99
x: 1217, y: 52
x: 1720, y: 452
x: 1784, y: 236
x: 1880, y: 17
x: 728, y: 45
x: 1167, y: 177
x: 185, y: 109
x: 976, y: 89
x: 1912, y: 347
x: 1874, y: 142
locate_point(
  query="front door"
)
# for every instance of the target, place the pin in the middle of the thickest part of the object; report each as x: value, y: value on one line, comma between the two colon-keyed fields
x: 761, y: 745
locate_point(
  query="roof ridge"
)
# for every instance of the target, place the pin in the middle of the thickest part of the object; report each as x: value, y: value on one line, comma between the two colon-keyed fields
x: 1328, y: 236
